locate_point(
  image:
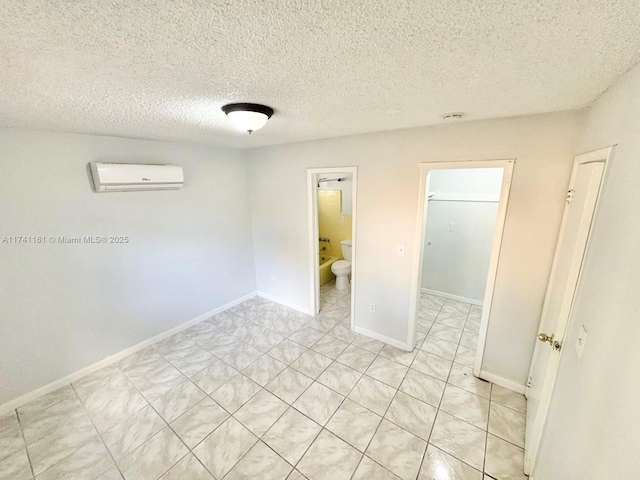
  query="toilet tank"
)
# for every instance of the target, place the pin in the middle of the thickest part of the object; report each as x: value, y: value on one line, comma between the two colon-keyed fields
x: 346, y: 249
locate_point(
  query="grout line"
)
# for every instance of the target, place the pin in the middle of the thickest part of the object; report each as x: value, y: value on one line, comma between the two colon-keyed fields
x: 24, y: 439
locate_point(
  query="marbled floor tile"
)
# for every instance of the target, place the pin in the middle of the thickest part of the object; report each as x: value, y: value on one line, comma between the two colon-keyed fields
x: 397, y: 450
x: 260, y: 463
x: 155, y: 386
x: 175, y: 343
x: 221, y: 450
x: 431, y: 301
x: 306, y: 336
x: 191, y: 362
x: 59, y: 443
x: 110, y: 474
x: 372, y: 394
x: 459, y: 438
x: 266, y: 341
x: 16, y: 466
x: 354, y: 424
x: 291, y: 435
x: 99, y: 379
x: 451, y: 305
x: 154, y: 457
x: 261, y: 412
x: 199, y: 421
x: 189, y: 468
x: 289, y: 385
x: 8, y: 420
x: 439, y: 347
x: 469, y: 340
x: 411, y: 414
x: 423, y: 387
x: 235, y: 393
x: 356, y: 358
x: 466, y: 406
x: 428, y: 314
x: 178, y: 400
x: 133, y: 432
x: 330, y: 346
x: 398, y: 355
x: 438, y: 465
x: 433, y: 365
x: 343, y: 332
x: 219, y: 344
x: 287, y: 351
x: 504, y: 460
x: 11, y: 441
x: 329, y: 458
x: 445, y: 333
x: 507, y: 424
x: 339, y: 378
x: 200, y: 328
x: 146, y: 362
x: 465, y: 356
x: 263, y: 370
x: 287, y: 326
x: 463, y: 377
x: 46, y: 401
x: 311, y: 363
x: 370, y: 470
x: 109, y: 407
x: 296, y: 475
x: 387, y: 371
x: 214, y: 376
x: 451, y: 319
x: 243, y: 356
x: 86, y: 463
x: 509, y: 398
x: 368, y: 343
x: 36, y: 424
x: 423, y: 325
x: 318, y: 403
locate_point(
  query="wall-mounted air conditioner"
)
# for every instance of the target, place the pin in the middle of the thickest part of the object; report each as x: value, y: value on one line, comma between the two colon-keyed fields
x: 119, y: 177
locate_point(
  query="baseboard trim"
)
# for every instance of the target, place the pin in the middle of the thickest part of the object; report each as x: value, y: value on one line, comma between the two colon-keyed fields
x: 77, y: 375
x: 298, y: 308
x: 451, y: 296
x: 382, y: 338
x: 503, y: 382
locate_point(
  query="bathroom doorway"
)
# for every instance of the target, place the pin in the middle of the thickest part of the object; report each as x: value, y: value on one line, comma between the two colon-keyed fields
x: 332, y: 241
x: 460, y: 224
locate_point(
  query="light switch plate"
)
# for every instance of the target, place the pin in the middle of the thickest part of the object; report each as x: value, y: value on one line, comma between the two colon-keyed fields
x: 582, y: 339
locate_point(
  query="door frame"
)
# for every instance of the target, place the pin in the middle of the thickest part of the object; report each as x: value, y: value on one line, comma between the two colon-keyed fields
x: 603, y: 155
x: 421, y: 224
x: 314, y: 247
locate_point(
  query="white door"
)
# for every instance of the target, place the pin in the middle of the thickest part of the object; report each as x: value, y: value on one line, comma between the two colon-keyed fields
x: 583, y: 192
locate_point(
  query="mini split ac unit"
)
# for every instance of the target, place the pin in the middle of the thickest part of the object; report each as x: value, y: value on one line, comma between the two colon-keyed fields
x: 120, y: 177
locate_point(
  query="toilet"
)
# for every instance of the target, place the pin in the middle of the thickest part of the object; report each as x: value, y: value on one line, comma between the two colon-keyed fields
x: 342, y: 268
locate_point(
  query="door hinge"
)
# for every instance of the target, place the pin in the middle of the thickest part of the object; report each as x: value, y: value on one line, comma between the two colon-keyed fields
x: 570, y: 195
x: 529, y: 380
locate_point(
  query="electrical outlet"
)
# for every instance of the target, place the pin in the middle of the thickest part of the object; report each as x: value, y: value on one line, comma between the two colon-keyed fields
x: 372, y: 307
x: 582, y: 339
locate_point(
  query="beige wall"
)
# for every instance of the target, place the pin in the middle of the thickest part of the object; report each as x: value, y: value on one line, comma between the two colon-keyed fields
x: 593, y: 427
x: 388, y: 181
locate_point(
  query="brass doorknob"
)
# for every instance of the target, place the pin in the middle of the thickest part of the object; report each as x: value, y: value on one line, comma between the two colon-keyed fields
x: 543, y: 337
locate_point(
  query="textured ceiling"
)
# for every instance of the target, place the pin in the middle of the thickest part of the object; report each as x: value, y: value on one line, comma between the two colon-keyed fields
x: 162, y: 69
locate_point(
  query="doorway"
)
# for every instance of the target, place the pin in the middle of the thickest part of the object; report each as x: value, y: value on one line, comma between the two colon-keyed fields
x: 460, y: 223
x: 582, y: 197
x: 332, y: 240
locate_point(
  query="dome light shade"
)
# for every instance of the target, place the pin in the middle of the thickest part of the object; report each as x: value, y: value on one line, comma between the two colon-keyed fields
x: 248, y: 117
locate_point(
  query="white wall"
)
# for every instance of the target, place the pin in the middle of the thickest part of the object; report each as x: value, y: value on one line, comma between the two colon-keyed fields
x: 593, y: 428
x: 64, y: 307
x: 345, y: 186
x: 460, y: 226
x: 388, y: 181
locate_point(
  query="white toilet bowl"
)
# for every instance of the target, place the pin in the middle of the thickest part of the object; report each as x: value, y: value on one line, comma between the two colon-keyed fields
x: 341, y: 269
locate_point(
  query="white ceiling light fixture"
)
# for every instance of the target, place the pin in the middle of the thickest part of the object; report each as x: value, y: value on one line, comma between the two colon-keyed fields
x: 248, y: 117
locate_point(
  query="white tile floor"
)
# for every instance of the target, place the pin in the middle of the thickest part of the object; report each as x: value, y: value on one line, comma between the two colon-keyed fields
x: 264, y: 392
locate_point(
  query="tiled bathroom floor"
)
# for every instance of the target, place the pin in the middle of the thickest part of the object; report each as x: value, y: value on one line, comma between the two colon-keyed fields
x: 263, y: 392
